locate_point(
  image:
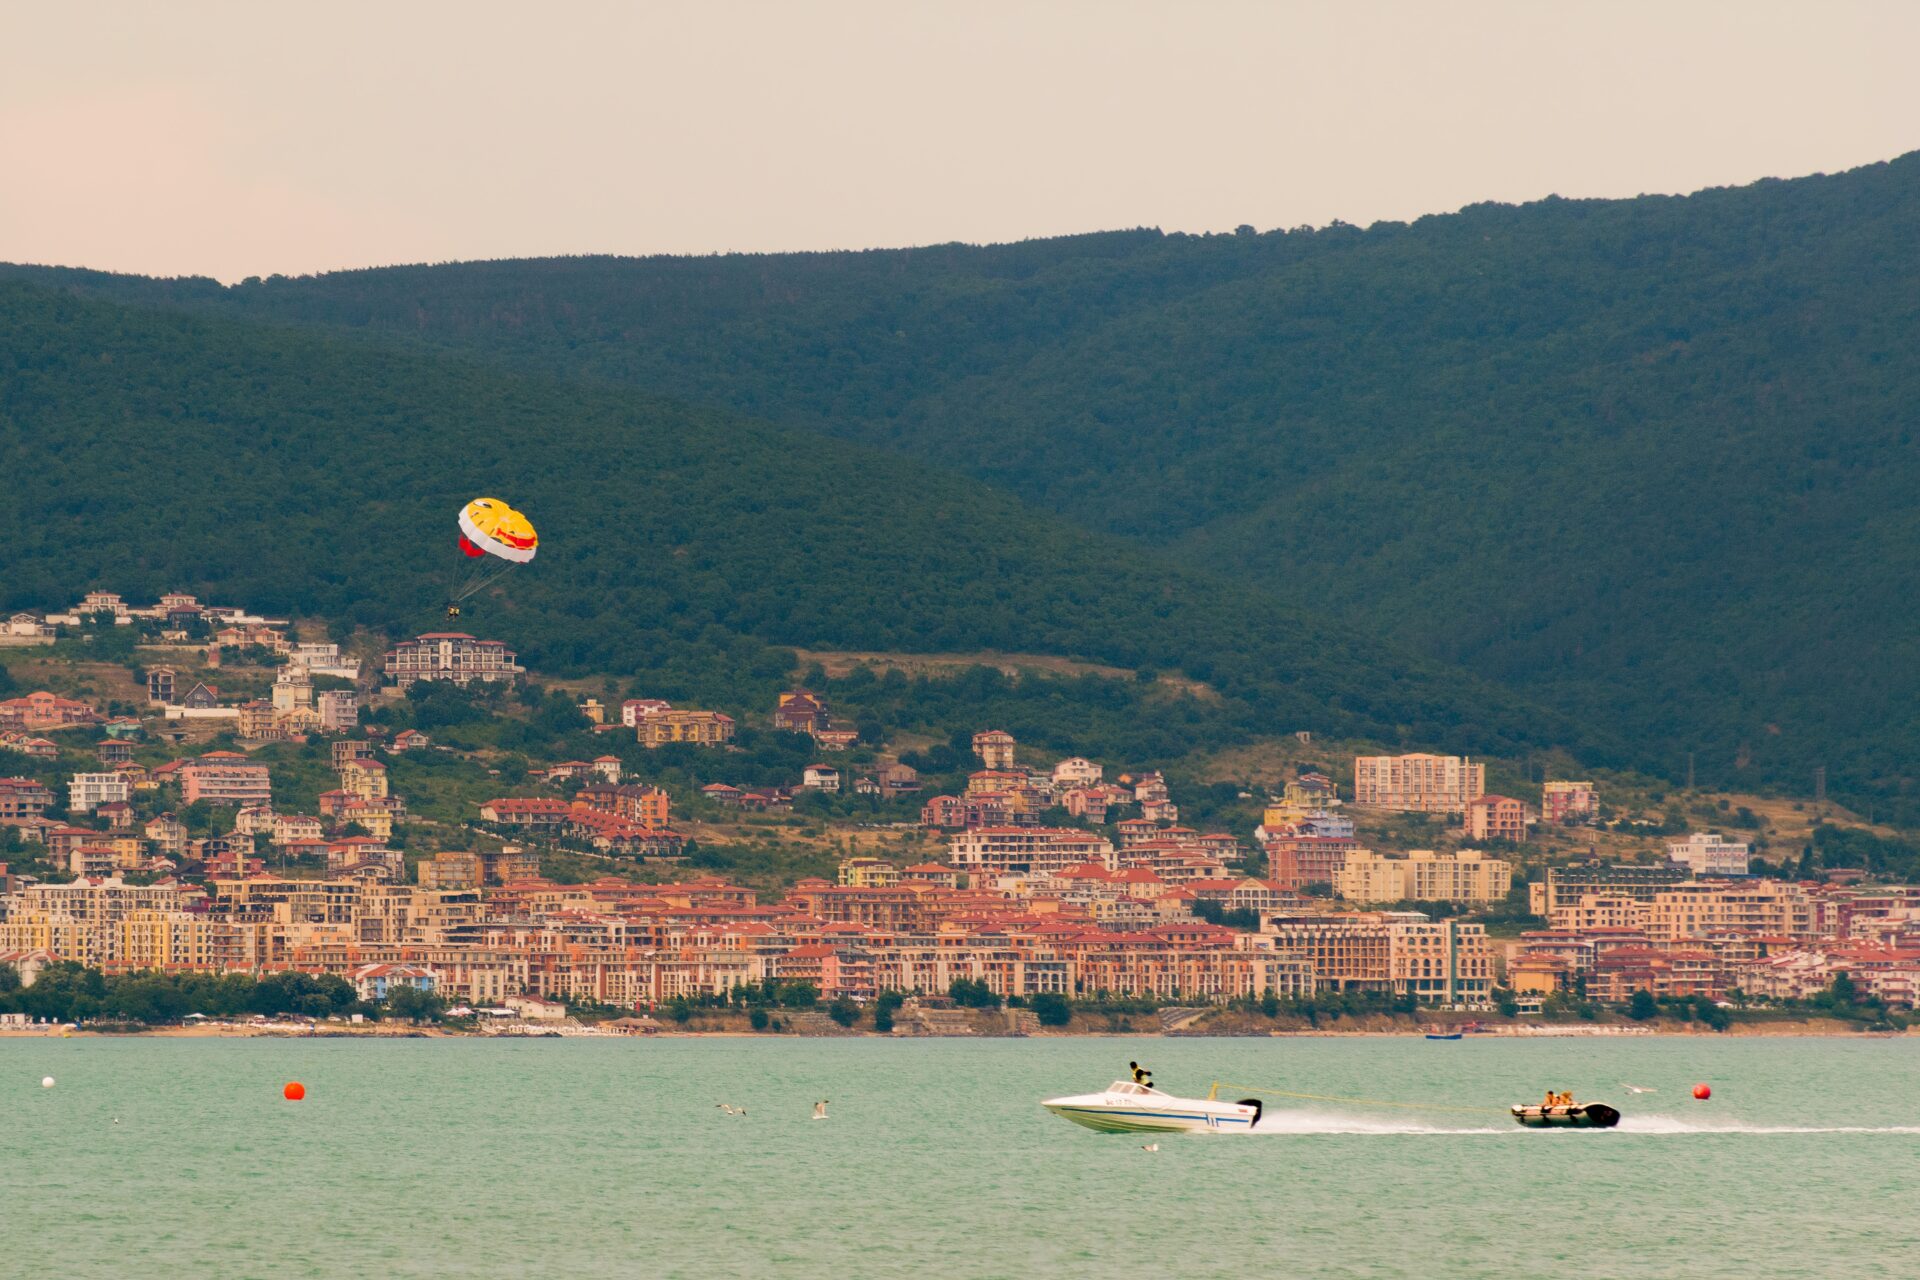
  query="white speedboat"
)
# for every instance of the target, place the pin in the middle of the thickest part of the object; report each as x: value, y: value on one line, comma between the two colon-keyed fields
x: 1126, y: 1107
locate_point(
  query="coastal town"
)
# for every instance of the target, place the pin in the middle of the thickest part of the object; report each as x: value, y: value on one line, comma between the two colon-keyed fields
x: 239, y: 804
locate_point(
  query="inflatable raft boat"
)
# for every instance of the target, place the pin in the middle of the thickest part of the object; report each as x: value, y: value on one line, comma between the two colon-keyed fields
x: 1580, y: 1115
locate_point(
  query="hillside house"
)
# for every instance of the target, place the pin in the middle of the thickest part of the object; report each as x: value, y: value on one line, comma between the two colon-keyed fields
x: 1491, y: 817
x: 702, y: 728
x: 634, y: 710
x: 452, y: 656
x: 995, y: 747
x: 224, y: 778
x: 160, y: 685
x: 44, y: 710
x: 801, y: 711
x: 23, y: 798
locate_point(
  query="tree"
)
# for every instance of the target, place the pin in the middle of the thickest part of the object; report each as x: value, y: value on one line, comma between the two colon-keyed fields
x: 413, y: 1004
x: 844, y: 1011
x: 757, y: 1018
x: 1642, y: 1006
x: 973, y: 994
x: 1052, y: 1009
x: 884, y: 1008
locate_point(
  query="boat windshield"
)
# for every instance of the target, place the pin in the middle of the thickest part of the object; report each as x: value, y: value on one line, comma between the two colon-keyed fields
x: 1127, y: 1086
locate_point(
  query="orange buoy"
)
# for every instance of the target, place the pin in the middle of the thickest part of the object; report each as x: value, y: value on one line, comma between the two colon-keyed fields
x: 1701, y: 1092
x: 296, y: 1091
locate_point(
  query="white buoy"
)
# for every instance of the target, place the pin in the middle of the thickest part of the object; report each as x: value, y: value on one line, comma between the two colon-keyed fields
x: 46, y: 1082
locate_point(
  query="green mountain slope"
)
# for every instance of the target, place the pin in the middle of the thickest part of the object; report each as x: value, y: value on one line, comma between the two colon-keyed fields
x: 1648, y: 460
x: 145, y: 449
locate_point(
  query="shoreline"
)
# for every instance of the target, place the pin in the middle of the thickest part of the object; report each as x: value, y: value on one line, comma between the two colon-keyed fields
x: 1806, y: 1029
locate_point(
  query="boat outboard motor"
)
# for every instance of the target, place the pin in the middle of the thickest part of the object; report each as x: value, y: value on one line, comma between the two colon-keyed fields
x: 1255, y: 1104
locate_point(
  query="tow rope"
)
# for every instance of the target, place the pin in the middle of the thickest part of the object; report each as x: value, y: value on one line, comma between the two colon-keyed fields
x: 1218, y: 1085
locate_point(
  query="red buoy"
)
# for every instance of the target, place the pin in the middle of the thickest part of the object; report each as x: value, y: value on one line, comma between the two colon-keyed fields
x: 296, y: 1091
x: 1701, y: 1092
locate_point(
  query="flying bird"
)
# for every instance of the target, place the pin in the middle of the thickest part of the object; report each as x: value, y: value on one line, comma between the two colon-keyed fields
x: 820, y: 1109
x: 730, y: 1109
x: 1151, y: 1146
x: 1638, y: 1088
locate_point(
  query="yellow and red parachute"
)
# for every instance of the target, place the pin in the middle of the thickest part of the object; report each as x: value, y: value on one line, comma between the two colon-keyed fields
x: 489, y: 527
x: 490, y: 532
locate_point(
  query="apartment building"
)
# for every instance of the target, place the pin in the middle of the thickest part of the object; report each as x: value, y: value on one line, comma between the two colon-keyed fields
x: 1418, y: 782
x: 1769, y: 908
x: 999, y: 851
x: 338, y: 710
x: 868, y: 873
x: 1441, y: 961
x: 1708, y: 853
x: 1565, y: 886
x: 1299, y: 860
x: 450, y: 871
x: 1423, y: 875
x: 225, y: 777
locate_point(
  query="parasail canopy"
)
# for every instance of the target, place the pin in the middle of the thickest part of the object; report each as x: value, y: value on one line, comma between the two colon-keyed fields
x: 489, y: 527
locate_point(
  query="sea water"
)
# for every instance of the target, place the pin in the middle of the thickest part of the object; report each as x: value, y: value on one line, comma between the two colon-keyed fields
x: 589, y: 1158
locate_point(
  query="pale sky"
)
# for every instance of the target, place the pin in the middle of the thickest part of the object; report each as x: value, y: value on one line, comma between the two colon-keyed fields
x: 234, y: 139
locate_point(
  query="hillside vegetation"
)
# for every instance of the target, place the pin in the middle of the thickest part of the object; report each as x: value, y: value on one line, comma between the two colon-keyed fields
x: 297, y: 472
x: 1647, y: 460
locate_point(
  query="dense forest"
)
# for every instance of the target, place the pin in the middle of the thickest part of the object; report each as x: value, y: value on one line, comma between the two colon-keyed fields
x: 302, y: 473
x: 1647, y: 461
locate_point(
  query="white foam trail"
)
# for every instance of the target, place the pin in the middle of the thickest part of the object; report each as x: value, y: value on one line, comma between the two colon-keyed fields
x: 1669, y: 1125
x: 1292, y: 1123
x: 1301, y: 1123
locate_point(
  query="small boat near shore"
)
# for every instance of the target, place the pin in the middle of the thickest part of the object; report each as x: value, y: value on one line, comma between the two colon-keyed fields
x: 1127, y: 1107
x: 1579, y: 1115
x: 1443, y: 1035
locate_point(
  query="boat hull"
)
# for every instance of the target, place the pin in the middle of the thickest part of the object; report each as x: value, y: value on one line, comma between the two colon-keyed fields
x: 1133, y: 1107
x: 1105, y: 1119
x: 1590, y: 1115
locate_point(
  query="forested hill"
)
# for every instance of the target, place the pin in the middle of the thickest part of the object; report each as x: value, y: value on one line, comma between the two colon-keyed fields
x: 1650, y: 460
x: 290, y: 470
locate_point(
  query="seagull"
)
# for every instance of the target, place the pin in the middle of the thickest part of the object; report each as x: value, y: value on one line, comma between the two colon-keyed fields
x: 1151, y: 1146
x: 820, y: 1109
x: 730, y: 1109
x: 1638, y: 1088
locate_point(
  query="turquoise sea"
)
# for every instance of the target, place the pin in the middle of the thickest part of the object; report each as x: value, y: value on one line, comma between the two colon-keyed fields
x: 588, y: 1158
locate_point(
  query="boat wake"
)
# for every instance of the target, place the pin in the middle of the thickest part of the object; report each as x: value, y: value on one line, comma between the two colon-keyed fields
x: 1303, y: 1123
x: 1674, y: 1125
x: 1294, y: 1124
